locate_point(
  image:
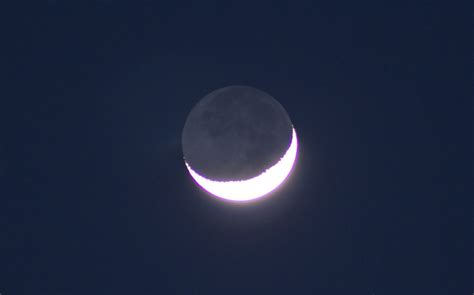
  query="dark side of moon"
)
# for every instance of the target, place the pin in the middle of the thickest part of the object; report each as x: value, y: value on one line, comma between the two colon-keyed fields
x: 235, y: 133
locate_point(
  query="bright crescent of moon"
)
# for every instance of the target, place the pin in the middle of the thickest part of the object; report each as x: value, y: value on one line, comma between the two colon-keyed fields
x: 253, y: 188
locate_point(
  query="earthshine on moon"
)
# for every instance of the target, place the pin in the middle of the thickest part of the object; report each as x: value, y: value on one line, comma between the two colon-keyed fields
x: 239, y: 143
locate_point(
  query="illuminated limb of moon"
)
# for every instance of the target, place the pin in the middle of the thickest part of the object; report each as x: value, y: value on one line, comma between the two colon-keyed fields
x: 253, y: 188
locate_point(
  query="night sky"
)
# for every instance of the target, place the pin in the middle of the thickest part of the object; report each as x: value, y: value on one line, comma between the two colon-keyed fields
x: 95, y: 197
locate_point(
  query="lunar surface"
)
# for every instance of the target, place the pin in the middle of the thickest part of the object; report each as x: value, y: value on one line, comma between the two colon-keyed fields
x: 239, y: 143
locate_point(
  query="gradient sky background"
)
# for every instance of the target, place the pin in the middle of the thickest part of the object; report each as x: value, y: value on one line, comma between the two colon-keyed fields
x: 96, y: 198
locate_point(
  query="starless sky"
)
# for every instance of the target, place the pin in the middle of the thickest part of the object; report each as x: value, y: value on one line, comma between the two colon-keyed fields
x: 95, y: 197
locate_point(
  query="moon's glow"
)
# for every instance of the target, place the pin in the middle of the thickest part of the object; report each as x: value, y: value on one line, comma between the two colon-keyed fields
x: 253, y: 188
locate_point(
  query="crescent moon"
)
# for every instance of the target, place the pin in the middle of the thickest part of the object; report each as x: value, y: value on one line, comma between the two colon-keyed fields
x: 253, y: 188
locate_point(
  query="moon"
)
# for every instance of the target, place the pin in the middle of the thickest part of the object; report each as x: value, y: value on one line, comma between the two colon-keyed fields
x: 239, y: 143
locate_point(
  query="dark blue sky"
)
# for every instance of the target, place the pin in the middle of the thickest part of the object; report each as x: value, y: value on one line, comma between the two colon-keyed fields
x: 95, y: 196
